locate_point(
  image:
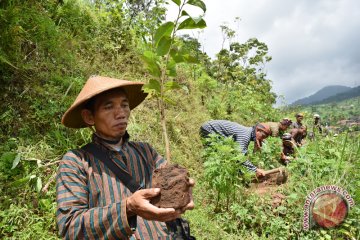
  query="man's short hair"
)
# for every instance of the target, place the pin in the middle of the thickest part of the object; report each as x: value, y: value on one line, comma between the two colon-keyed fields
x: 286, y: 122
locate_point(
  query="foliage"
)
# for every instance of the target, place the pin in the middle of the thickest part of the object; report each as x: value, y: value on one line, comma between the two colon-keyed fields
x: 162, y: 62
x: 242, y: 89
x: 222, y: 171
x: 328, y: 161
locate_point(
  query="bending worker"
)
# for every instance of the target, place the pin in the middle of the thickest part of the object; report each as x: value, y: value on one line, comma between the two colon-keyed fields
x: 278, y: 128
x: 241, y: 134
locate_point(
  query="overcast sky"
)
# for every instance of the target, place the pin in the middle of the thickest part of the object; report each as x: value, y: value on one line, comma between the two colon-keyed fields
x: 313, y: 43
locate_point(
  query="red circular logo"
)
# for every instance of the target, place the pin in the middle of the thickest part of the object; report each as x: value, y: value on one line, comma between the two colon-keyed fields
x: 329, y: 210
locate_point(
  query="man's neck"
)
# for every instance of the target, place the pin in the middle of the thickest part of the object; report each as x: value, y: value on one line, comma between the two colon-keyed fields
x: 113, y: 143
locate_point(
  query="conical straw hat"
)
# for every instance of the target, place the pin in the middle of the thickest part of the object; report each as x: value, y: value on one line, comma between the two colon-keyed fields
x: 94, y: 86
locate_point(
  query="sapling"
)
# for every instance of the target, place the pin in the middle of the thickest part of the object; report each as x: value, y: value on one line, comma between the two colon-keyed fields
x: 161, y: 63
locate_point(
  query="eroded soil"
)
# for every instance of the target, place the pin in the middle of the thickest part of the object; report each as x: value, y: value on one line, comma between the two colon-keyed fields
x: 173, y: 180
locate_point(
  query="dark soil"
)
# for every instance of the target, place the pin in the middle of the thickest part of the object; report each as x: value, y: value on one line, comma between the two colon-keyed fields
x: 173, y: 180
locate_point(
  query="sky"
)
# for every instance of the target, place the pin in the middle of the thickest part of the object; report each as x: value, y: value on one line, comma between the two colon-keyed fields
x: 313, y: 43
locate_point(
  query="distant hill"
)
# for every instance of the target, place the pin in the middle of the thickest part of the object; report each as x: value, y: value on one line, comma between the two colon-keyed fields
x: 354, y: 92
x: 322, y: 94
x: 333, y: 112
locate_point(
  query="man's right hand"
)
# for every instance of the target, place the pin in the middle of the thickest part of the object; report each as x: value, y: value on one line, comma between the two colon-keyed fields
x: 139, y: 204
x: 260, y: 172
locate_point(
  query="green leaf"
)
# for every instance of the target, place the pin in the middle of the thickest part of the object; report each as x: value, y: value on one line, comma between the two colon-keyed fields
x: 16, y: 161
x: 171, y: 85
x: 164, y: 46
x: 185, y: 88
x: 32, y: 176
x: 197, y: 19
x: 164, y: 30
x: 169, y: 100
x: 20, y: 181
x: 38, y: 184
x: 176, y: 57
x: 45, y: 204
x: 171, y: 68
x: 150, y: 60
x: 190, y: 59
x: 177, y: 2
x: 184, y: 13
x: 4, y: 60
x: 152, y: 86
x: 198, y: 3
x: 189, y: 23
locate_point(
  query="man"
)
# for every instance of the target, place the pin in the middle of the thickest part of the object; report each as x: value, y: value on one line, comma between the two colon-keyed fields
x: 278, y: 128
x: 241, y: 134
x: 299, y: 135
x: 288, y: 150
x: 299, y: 117
x: 317, y: 124
x: 92, y: 202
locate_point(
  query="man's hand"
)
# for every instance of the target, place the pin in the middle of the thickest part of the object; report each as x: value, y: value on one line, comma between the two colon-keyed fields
x: 139, y: 204
x: 260, y: 172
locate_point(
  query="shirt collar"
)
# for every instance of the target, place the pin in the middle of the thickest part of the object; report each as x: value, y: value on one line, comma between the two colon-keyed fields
x: 99, y: 140
x: 253, y: 134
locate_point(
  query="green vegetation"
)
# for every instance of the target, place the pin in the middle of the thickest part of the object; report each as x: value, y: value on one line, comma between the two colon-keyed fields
x: 331, y: 113
x: 47, y: 51
x: 328, y: 161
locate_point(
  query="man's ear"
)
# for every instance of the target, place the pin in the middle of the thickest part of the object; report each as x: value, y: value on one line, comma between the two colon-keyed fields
x: 88, y: 117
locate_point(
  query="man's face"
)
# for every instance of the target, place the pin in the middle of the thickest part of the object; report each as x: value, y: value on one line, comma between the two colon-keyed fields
x: 283, y: 127
x: 111, y: 114
x: 287, y: 143
x: 260, y: 136
x: 299, y: 118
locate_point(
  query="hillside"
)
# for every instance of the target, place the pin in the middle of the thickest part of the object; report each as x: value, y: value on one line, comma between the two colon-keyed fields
x: 331, y: 113
x: 352, y: 93
x: 322, y: 94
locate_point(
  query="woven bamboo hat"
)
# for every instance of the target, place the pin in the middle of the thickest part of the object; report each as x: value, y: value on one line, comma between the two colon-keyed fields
x: 94, y: 86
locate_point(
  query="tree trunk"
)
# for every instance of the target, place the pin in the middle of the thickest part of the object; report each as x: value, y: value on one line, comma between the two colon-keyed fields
x: 164, y: 130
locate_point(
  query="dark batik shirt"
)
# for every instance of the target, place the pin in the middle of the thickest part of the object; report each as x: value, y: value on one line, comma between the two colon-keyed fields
x: 296, y: 125
x: 241, y: 134
x: 91, y: 199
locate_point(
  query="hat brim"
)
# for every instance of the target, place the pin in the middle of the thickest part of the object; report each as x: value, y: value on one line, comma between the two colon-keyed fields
x: 72, y: 117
